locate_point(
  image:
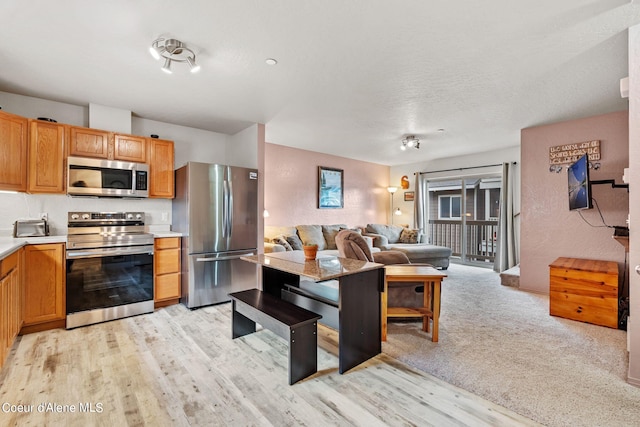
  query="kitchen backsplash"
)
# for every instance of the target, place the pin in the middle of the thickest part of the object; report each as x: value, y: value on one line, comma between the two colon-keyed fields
x: 30, y: 206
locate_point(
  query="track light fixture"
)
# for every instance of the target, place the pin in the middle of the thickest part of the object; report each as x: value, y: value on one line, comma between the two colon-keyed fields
x: 410, y: 142
x: 173, y: 50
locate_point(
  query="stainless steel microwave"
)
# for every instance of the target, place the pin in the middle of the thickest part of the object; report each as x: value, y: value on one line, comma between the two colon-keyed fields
x: 106, y: 178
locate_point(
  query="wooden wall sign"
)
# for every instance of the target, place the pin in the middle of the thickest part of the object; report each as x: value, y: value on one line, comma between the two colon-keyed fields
x: 569, y: 153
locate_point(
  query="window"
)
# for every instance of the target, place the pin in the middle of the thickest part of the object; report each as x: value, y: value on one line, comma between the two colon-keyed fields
x: 492, y: 197
x: 449, y: 207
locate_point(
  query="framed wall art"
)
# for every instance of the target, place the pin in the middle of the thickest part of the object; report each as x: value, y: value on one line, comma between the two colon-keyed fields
x: 330, y: 188
x: 409, y: 196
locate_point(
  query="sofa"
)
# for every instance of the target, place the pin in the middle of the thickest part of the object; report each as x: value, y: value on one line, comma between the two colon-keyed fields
x: 411, y: 242
x: 287, y: 238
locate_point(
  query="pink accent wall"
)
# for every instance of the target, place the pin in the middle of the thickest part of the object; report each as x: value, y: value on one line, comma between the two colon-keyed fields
x: 291, y: 189
x: 548, y: 229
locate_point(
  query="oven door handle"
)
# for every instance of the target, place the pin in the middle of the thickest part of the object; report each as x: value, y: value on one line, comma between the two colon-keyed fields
x: 104, y: 252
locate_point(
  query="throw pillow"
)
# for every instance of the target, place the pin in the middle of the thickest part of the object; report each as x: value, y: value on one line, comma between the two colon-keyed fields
x: 282, y: 240
x: 409, y: 235
x: 329, y: 232
x: 312, y: 235
x: 295, y: 242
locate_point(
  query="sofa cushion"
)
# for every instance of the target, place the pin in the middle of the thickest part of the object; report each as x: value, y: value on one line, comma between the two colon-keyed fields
x: 391, y: 232
x: 329, y: 232
x: 312, y: 235
x: 409, y: 235
x: 282, y: 240
x: 295, y: 242
x: 272, y: 231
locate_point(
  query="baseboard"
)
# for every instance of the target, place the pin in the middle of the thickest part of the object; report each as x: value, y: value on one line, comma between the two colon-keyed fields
x: 634, y: 381
x: 165, y: 303
x: 45, y: 326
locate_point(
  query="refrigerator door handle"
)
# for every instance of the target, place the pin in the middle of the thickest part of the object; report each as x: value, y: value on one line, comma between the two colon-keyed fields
x: 230, y: 207
x: 223, y: 258
x: 225, y: 208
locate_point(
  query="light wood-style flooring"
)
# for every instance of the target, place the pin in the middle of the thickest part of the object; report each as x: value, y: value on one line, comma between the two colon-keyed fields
x: 178, y: 367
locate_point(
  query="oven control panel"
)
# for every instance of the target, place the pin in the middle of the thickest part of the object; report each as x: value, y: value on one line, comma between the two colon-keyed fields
x: 105, y: 217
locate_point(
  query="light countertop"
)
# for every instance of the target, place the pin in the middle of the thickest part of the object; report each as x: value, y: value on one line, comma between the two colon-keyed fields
x: 8, y: 245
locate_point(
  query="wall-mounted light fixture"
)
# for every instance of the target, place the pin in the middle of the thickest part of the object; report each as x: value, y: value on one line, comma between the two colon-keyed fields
x: 173, y: 50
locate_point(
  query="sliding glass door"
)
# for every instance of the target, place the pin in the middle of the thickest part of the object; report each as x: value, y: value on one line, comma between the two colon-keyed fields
x: 462, y: 214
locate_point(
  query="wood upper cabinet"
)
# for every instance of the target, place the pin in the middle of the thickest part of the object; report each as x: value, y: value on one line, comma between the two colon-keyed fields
x: 130, y: 148
x: 166, y: 269
x: 161, y: 175
x: 46, y: 157
x: 85, y: 142
x: 13, y: 152
x: 44, y: 283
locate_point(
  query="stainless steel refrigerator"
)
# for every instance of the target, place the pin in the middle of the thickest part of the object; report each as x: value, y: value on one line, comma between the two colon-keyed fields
x: 216, y: 209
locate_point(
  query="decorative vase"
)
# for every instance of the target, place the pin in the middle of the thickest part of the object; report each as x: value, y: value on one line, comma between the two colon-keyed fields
x: 310, y: 252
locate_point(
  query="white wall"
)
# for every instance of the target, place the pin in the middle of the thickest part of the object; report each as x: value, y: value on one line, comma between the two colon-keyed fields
x: 33, y: 108
x: 190, y: 144
x: 480, y: 159
x: 243, y: 148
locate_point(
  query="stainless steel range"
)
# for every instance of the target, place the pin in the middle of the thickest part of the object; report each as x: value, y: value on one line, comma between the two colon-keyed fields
x: 109, y: 267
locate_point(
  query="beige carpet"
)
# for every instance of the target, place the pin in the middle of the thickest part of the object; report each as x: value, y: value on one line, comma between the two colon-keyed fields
x: 501, y: 343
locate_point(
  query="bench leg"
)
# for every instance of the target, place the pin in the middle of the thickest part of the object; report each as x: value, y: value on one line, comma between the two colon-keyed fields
x: 240, y: 324
x: 303, y: 352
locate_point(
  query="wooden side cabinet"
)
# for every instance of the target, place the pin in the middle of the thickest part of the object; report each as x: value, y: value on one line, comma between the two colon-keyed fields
x: 130, y: 148
x: 166, y: 271
x: 161, y: 174
x: 85, y: 142
x: 44, y: 287
x: 13, y: 148
x: 10, y: 303
x: 46, y: 157
x: 584, y: 290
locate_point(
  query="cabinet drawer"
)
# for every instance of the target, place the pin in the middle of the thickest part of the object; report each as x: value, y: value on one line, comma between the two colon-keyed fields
x: 167, y: 261
x: 167, y: 286
x: 167, y: 243
x: 8, y: 263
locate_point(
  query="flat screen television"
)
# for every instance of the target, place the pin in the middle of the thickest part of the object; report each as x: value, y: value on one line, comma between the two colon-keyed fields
x: 578, y: 184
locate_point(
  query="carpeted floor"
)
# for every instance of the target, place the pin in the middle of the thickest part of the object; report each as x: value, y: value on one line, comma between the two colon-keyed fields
x: 501, y: 343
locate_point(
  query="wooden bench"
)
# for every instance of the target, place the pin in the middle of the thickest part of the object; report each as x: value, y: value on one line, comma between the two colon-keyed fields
x: 295, y: 324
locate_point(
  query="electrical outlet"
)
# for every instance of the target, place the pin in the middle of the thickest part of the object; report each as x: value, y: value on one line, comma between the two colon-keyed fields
x: 165, y: 216
x: 44, y: 216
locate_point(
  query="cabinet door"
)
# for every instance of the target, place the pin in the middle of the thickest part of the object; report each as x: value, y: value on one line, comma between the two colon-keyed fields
x: 13, y: 149
x: 44, y: 283
x: 166, y: 268
x: 130, y: 148
x: 4, y: 319
x: 161, y: 158
x: 46, y: 157
x: 85, y: 142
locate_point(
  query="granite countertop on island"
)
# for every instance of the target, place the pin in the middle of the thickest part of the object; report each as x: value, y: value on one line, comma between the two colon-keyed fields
x: 322, y: 268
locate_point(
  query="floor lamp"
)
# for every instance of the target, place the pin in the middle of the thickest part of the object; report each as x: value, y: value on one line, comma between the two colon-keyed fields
x: 392, y: 190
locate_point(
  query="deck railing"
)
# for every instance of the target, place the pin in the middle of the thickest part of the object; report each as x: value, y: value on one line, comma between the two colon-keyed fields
x: 480, y: 238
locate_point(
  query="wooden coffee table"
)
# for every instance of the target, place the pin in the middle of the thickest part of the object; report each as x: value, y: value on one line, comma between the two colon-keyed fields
x: 431, y: 279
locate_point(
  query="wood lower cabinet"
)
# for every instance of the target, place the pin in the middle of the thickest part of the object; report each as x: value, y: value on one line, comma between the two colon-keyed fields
x: 46, y: 157
x: 85, y: 142
x: 130, y: 148
x: 166, y: 271
x: 44, y: 287
x: 584, y: 290
x: 10, y: 302
x: 161, y: 174
x: 13, y: 152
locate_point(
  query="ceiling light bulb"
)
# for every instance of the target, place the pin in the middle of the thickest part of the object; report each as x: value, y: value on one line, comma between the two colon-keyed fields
x: 409, y: 142
x: 167, y: 66
x: 403, y: 147
x: 154, y: 52
x: 192, y: 64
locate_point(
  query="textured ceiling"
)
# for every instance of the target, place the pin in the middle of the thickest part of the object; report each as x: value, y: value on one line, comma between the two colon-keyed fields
x: 353, y: 77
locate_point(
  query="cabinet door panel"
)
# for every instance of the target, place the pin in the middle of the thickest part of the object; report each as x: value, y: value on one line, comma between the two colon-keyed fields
x: 167, y: 286
x: 13, y: 152
x: 46, y: 158
x: 130, y: 148
x: 161, y: 159
x: 85, y: 142
x: 44, y: 283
